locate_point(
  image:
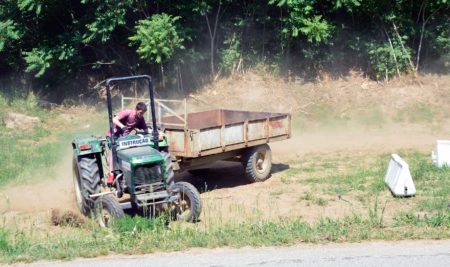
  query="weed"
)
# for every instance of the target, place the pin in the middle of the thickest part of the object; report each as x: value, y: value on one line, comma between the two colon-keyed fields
x: 276, y: 194
x: 376, y: 215
x: 311, y: 198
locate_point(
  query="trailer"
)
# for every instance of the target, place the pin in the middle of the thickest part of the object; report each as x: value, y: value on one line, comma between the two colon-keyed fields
x: 198, y: 139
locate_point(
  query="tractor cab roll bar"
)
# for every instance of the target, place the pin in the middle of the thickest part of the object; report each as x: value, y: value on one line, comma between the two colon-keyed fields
x: 110, y: 112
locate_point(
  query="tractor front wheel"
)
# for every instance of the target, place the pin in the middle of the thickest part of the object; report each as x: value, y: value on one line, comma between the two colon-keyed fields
x: 107, y: 210
x: 189, y: 205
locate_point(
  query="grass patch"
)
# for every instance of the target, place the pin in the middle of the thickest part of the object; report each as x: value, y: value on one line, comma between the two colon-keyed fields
x: 136, y: 235
x: 360, y: 179
x: 416, y: 113
x: 276, y: 194
x: 371, y: 117
x: 34, y: 153
x: 309, y: 197
x: 326, y: 117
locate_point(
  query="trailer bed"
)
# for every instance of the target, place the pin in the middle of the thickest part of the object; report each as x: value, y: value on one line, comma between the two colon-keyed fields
x: 218, y: 131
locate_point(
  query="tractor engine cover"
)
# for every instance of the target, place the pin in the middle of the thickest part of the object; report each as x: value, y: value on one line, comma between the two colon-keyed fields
x: 144, y: 162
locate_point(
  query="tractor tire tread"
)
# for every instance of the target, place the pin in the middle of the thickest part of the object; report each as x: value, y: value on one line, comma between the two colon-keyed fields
x: 111, y: 204
x: 169, y: 168
x: 194, y: 197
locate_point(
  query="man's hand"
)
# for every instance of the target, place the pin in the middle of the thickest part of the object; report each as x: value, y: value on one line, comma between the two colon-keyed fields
x: 124, y: 128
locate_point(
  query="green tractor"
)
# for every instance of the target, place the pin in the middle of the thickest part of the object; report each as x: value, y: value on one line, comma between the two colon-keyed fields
x: 141, y: 176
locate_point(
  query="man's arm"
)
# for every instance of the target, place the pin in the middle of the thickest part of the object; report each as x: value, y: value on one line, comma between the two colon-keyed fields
x: 120, y: 116
x: 118, y: 123
x: 143, y: 125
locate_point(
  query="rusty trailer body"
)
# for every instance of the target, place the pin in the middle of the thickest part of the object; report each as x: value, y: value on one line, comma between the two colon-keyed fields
x: 222, y: 134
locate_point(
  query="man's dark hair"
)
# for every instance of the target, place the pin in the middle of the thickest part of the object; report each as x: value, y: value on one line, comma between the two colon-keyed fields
x: 141, y: 106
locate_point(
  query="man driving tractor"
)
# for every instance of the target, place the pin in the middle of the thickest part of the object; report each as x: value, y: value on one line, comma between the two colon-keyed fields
x: 128, y: 120
x: 125, y: 122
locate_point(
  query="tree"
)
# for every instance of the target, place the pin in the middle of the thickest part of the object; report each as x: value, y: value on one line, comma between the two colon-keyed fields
x: 212, y: 11
x: 157, y: 39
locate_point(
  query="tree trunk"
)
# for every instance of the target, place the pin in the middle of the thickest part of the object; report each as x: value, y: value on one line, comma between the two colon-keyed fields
x: 403, y: 48
x: 393, y: 52
x: 212, y: 37
x: 163, y: 84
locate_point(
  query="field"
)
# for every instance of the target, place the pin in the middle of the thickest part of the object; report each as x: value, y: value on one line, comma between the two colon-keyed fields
x: 326, y: 185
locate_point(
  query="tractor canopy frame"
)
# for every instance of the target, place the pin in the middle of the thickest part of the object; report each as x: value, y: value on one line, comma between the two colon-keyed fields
x: 110, y: 113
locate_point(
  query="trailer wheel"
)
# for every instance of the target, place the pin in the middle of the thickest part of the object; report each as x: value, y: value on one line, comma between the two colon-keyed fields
x: 169, y: 168
x: 107, y: 210
x: 257, y: 162
x: 189, y: 206
x: 86, y: 180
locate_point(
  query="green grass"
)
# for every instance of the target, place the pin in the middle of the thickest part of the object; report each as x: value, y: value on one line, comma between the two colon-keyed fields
x: 310, y: 197
x: 33, y: 153
x: 140, y: 235
x: 361, y: 180
x: 23, y: 151
x: 416, y: 113
x: 371, y: 117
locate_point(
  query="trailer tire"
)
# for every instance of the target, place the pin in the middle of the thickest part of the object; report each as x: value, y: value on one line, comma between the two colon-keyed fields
x: 107, y: 210
x: 190, y: 205
x: 86, y: 182
x: 169, y: 168
x: 257, y: 162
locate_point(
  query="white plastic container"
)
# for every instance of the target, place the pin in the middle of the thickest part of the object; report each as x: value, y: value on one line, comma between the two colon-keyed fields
x: 398, y: 177
x: 441, y: 156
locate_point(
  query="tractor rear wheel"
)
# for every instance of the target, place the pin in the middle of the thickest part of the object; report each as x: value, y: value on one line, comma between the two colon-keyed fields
x: 257, y: 162
x: 107, y: 210
x: 189, y: 205
x: 86, y: 182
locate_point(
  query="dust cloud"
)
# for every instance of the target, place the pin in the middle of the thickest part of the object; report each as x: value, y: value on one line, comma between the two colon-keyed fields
x: 47, y: 193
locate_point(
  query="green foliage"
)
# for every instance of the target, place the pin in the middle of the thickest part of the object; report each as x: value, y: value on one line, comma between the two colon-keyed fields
x: 3, y: 241
x: 8, y: 33
x: 301, y: 19
x: 37, y: 61
x: 386, y: 60
x: 232, y: 54
x: 73, y: 37
x: 157, y: 38
x: 108, y: 15
x: 315, y: 29
x: 31, y: 5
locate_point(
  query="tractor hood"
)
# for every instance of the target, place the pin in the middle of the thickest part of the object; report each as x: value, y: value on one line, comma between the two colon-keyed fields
x: 140, y: 155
